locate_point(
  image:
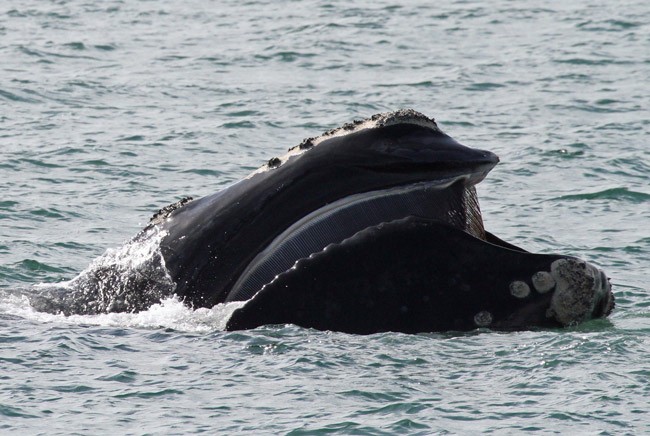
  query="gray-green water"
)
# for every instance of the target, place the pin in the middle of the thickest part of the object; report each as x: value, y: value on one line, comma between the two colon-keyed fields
x: 110, y: 110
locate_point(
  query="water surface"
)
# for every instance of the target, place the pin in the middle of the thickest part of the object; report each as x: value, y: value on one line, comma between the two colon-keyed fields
x: 111, y: 110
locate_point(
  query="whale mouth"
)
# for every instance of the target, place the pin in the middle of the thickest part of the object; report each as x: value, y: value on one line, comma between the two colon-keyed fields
x: 452, y: 201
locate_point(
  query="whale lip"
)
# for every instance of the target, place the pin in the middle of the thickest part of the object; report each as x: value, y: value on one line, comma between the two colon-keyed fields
x: 604, y: 300
x: 605, y: 305
x: 346, y: 216
x: 417, y: 154
x: 482, y: 162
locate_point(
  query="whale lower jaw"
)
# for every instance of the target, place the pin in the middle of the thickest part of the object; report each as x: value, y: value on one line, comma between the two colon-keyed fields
x: 418, y: 275
x: 452, y: 201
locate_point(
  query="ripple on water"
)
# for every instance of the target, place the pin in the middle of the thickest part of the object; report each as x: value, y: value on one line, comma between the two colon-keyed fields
x: 110, y: 110
x: 620, y: 194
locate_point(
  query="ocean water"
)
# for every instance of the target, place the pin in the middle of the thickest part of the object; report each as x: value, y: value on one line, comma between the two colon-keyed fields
x: 110, y: 110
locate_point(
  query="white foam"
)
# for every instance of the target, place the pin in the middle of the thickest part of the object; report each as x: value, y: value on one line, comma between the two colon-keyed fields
x: 170, y: 313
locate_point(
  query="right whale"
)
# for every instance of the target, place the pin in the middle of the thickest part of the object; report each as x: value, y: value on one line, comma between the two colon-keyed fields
x: 371, y: 227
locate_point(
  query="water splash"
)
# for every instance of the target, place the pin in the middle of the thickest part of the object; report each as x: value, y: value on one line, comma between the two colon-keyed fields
x: 131, y: 278
x: 126, y: 287
x: 169, y: 313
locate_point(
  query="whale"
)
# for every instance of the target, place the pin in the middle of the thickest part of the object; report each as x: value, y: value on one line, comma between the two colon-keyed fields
x: 370, y: 227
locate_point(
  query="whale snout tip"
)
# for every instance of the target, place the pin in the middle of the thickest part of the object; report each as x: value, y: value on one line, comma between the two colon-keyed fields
x: 492, y: 157
x: 486, y: 157
x: 582, y: 292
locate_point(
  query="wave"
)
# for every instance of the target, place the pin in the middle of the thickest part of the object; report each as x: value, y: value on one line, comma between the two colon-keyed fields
x: 609, y: 194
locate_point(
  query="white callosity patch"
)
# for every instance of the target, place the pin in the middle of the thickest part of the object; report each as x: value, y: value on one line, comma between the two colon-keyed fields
x: 402, y: 116
x: 519, y: 289
x: 483, y: 318
x: 576, y: 287
x: 543, y: 281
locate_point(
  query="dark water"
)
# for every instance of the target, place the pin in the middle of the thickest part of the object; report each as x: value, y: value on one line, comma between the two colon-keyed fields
x: 110, y: 110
